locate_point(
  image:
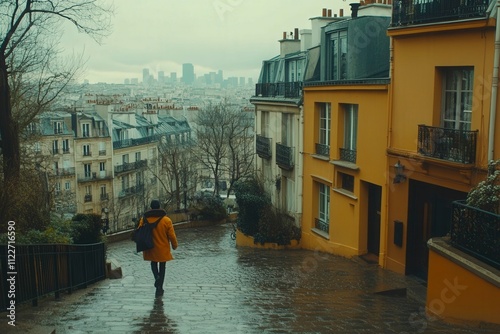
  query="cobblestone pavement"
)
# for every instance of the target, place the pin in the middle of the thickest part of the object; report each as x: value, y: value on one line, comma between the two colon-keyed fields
x: 214, y: 287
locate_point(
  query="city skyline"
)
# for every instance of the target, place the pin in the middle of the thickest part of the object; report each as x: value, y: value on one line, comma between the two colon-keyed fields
x: 235, y: 36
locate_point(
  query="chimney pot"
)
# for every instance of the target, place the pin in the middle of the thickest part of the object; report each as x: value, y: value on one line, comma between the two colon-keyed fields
x: 329, y: 13
x: 354, y: 9
x: 341, y: 12
x: 296, y: 34
x: 284, y: 34
x: 324, y: 12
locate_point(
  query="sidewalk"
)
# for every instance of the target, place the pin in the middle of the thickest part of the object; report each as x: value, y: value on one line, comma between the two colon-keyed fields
x: 214, y: 287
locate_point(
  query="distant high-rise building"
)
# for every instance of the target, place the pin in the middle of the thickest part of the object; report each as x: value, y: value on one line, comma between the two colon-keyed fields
x: 161, y: 77
x: 219, y: 78
x: 145, y: 75
x: 188, y: 73
x: 173, y: 77
x: 126, y: 81
x: 242, y: 81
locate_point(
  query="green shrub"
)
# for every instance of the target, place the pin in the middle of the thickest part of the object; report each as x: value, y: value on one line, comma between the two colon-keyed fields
x: 486, y: 195
x: 86, y: 228
x: 251, y: 199
x: 209, y: 207
x: 276, y: 226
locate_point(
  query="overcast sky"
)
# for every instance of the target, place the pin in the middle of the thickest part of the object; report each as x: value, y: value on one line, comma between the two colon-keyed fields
x: 231, y: 35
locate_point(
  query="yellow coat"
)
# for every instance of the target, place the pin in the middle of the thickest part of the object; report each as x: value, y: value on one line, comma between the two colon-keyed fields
x: 163, y: 236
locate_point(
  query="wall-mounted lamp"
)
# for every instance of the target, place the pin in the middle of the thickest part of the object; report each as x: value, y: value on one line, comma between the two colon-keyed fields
x: 400, y: 173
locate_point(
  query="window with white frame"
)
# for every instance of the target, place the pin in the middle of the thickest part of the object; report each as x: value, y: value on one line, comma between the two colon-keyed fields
x: 57, y: 127
x: 55, y: 147
x: 67, y: 186
x: 65, y: 146
x: 86, y: 150
x: 87, y: 169
x: 457, y: 98
x: 85, y: 130
x: 323, y: 220
x: 348, y: 152
x: 323, y: 147
x: 102, y: 167
x: 336, y: 56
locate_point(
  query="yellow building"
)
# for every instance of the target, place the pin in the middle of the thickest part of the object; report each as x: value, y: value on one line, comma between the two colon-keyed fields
x: 345, y: 127
x: 440, y: 110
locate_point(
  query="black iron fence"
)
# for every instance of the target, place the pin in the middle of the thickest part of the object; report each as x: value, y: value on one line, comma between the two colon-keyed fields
x: 447, y: 144
x: 409, y: 12
x: 39, y: 270
x: 263, y: 147
x: 284, y: 156
x: 347, y: 155
x: 476, y: 232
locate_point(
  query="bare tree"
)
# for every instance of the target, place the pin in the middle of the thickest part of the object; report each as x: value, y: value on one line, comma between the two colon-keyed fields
x: 240, y: 147
x: 31, y: 74
x: 212, y: 136
x: 225, y: 142
x: 177, y: 175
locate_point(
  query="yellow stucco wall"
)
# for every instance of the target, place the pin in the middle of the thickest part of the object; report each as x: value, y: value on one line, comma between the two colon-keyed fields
x: 348, y: 230
x: 455, y: 293
x: 416, y: 84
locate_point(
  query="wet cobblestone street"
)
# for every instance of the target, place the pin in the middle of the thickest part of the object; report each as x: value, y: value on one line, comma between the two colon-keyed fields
x: 214, y: 287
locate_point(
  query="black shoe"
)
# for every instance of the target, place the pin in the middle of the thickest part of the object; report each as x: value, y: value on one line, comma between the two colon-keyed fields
x: 159, y: 292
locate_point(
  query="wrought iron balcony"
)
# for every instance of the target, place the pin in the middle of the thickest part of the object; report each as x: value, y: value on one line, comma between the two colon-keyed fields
x: 322, y: 149
x: 411, y: 12
x: 130, y: 166
x: 476, y: 232
x: 447, y: 144
x: 284, y: 156
x: 279, y: 89
x: 347, y: 155
x: 138, y: 189
x: 321, y: 225
x: 87, y: 198
x: 263, y: 147
x: 134, y: 142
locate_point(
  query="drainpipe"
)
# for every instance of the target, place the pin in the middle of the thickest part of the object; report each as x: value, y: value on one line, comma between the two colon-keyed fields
x: 494, y: 88
x: 300, y: 167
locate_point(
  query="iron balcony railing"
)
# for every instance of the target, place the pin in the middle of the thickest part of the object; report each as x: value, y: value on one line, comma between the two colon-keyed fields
x: 92, y: 176
x: 44, y: 269
x: 134, y: 142
x: 411, y: 12
x: 284, y: 156
x: 322, y: 149
x: 64, y: 171
x: 263, y: 147
x: 447, y: 144
x: 130, y: 166
x: 476, y: 232
x: 279, y: 89
x: 347, y: 155
x: 131, y: 190
x: 321, y: 225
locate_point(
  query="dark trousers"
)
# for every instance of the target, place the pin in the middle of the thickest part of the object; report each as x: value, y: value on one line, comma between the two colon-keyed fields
x: 158, y: 269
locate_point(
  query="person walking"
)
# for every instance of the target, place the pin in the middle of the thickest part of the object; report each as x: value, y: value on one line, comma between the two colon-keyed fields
x: 163, y: 237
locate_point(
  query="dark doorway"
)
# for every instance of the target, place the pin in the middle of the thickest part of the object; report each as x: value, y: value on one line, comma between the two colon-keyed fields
x: 374, y: 202
x: 429, y: 215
